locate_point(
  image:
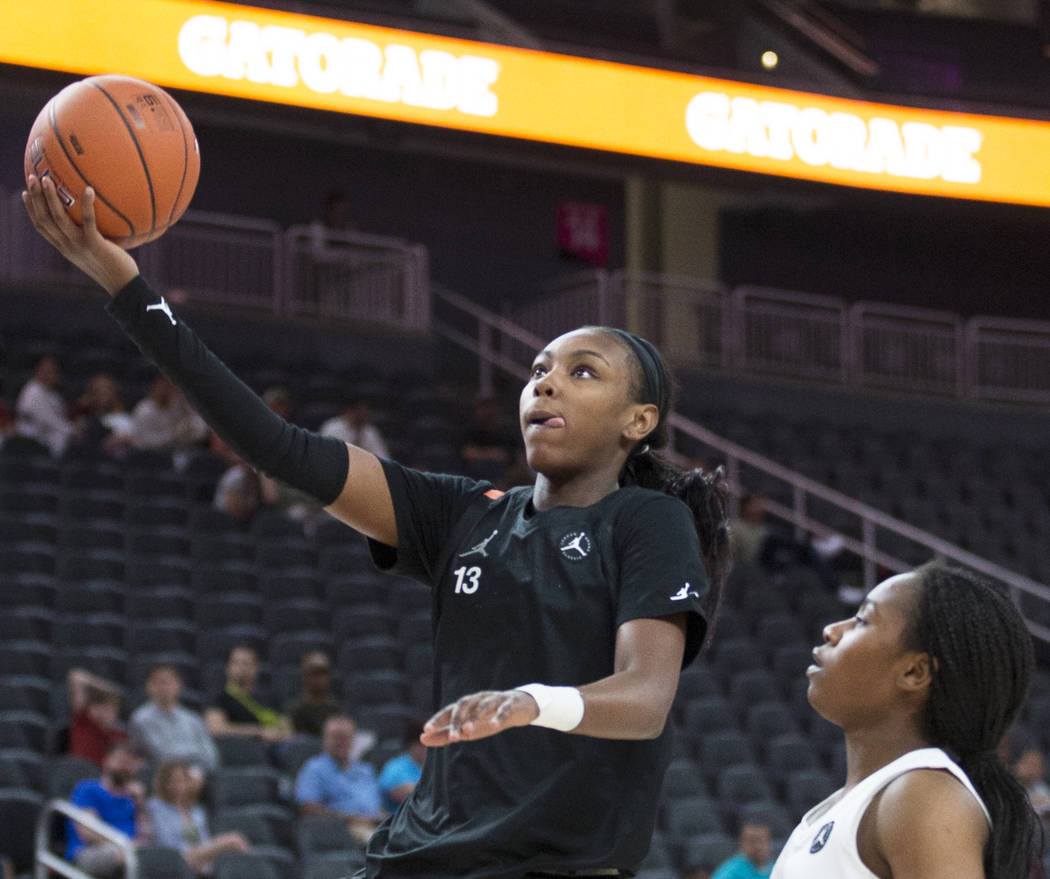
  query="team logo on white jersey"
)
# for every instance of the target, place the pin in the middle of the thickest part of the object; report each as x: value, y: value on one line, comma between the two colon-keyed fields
x: 575, y: 545
x: 480, y: 548
x: 687, y: 591
x: 821, y: 839
x: 162, y: 306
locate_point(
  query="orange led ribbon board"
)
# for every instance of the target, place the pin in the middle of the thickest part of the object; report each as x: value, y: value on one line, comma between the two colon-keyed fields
x: 347, y: 67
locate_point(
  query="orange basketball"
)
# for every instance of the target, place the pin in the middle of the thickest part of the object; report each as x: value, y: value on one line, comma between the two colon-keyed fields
x: 130, y: 141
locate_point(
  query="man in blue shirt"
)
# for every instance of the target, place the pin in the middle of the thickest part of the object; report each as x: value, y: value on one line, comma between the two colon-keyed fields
x: 753, y: 861
x: 114, y: 798
x: 400, y: 774
x: 332, y: 784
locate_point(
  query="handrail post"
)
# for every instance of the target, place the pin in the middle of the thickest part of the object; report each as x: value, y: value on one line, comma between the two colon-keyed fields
x: 870, y: 572
x: 485, y: 353
x: 798, y: 494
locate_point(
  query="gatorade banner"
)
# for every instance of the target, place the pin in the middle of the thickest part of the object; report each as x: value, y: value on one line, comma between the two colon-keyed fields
x: 347, y: 67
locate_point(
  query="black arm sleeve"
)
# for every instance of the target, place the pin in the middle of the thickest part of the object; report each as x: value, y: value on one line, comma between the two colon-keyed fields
x: 305, y: 460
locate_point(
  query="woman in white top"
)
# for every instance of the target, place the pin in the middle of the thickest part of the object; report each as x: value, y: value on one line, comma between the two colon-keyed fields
x: 924, y: 682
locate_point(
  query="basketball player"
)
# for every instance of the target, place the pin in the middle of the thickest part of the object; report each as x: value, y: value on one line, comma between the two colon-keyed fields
x: 924, y: 682
x: 563, y: 611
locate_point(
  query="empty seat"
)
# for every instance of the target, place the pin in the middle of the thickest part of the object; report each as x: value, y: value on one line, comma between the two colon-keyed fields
x: 19, y: 809
x: 90, y: 630
x: 683, y: 778
x: 91, y: 596
x: 218, y: 610
x: 727, y: 747
x: 244, y: 865
x: 387, y: 720
x: 25, y: 693
x: 24, y: 729
x: 363, y: 620
x: 22, y: 767
x: 747, y: 688
x: 162, y: 635
x: 214, y: 645
x: 27, y: 623
x: 291, y: 583
x: 376, y: 687
x: 734, y: 655
x: 245, y: 786
x: 743, y: 784
x: 25, y: 657
x: 291, y: 614
x: 805, y: 788
x: 288, y: 648
x: 318, y: 836
x: 704, y: 852
x: 158, y: 862
x: 705, y: 715
x: 65, y: 773
x: 241, y: 751
x: 280, y: 556
x: 166, y: 602
x: 788, y: 753
x: 691, y: 816
x: 766, y: 720
x: 365, y: 654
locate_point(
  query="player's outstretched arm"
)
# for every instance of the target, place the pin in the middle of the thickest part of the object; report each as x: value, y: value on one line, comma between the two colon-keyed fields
x: 318, y: 465
x: 632, y: 703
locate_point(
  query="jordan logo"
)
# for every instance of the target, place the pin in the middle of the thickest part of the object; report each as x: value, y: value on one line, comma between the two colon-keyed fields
x: 821, y: 839
x: 162, y: 306
x: 480, y: 548
x: 685, y: 592
x: 575, y: 546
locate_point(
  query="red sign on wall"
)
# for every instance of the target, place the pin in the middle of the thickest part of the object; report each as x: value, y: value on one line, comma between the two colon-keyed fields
x: 583, y: 231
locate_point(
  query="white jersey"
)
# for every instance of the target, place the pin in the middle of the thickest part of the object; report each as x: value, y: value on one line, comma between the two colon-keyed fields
x: 824, y: 845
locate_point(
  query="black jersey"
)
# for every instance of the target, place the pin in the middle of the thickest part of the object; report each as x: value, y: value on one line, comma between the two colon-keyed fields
x: 521, y: 595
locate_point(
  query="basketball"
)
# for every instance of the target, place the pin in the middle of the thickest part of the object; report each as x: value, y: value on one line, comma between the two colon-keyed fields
x: 130, y: 141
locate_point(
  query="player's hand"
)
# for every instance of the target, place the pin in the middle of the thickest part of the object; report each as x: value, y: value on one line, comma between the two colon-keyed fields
x: 104, y: 262
x: 478, y: 716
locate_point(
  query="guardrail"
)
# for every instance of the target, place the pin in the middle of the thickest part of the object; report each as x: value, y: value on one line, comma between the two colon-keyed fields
x: 492, y: 338
x: 247, y: 262
x: 45, y: 860
x: 766, y: 330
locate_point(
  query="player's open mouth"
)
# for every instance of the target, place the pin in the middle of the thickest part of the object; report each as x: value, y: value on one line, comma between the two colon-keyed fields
x: 545, y: 420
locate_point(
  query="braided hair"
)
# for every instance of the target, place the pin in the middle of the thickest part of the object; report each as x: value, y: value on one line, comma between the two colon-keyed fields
x: 982, y: 660
x: 706, y: 494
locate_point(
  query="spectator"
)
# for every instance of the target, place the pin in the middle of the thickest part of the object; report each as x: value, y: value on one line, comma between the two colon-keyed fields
x: 101, y: 417
x: 164, y: 421
x: 753, y: 861
x: 316, y: 703
x: 116, y: 798
x: 166, y: 731
x: 489, y: 445
x: 400, y: 774
x: 236, y: 711
x: 295, y: 504
x: 179, y: 821
x: 1029, y: 768
x: 754, y: 540
x: 354, y: 425
x: 41, y: 411
x: 238, y: 492
x: 94, y: 707
x: 332, y: 783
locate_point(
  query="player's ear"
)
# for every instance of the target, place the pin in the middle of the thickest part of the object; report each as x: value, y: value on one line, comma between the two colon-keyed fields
x: 642, y: 421
x: 916, y: 671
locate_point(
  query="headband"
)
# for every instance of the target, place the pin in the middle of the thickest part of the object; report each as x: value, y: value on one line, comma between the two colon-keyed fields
x: 654, y: 385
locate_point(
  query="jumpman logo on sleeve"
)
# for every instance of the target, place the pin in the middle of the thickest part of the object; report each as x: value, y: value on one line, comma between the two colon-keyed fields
x: 164, y: 307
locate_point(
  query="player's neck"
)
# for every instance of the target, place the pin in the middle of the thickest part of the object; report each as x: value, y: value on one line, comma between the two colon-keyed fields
x: 868, y: 750
x: 580, y: 490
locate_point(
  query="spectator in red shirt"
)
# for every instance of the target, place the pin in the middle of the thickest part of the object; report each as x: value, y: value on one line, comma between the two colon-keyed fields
x: 94, y: 706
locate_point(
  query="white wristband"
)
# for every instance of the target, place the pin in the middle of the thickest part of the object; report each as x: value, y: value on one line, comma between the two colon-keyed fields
x: 561, y: 708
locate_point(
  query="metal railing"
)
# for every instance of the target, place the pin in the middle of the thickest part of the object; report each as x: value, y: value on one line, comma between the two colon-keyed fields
x: 46, y: 860
x: 769, y: 331
x: 252, y: 263
x: 491, y: 336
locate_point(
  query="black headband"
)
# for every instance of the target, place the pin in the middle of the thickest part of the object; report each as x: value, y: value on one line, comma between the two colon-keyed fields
x: 654, y: 385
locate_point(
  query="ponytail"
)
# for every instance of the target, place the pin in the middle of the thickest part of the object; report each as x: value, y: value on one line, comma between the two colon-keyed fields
x: 983, y: 658
x: 706, y: 494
